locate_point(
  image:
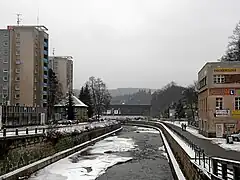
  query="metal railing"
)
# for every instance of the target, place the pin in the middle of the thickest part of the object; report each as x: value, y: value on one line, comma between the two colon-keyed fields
x: 217, y: 168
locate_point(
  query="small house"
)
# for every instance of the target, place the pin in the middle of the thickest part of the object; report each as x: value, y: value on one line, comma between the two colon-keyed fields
x: 79, y: 107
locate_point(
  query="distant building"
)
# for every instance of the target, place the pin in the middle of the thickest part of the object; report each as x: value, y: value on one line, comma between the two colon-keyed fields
x: 79, y: 107
x: 63, y: 68
x: 129, y: 110
x: 219, y: 98
x: 24, y: 65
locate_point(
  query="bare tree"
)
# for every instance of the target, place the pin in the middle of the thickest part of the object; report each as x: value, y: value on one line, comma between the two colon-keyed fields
x: 191, y: 98
x: 233, y: 48
x: 100, y: 95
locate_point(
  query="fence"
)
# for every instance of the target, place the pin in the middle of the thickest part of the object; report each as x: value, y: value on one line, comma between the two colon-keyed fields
x: 217, y: 168
x: 16, y: 116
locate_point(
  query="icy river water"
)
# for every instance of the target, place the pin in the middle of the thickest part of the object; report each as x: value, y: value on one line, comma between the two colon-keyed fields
x: 134, y: 153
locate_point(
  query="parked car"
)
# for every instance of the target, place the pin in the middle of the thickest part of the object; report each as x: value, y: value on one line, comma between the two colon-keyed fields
x: 236, y: 137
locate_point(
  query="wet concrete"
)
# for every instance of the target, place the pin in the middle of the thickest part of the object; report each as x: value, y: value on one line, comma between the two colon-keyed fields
x: 149, y: 162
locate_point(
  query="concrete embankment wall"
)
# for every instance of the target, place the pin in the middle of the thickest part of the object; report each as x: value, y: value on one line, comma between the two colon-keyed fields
x: 190, y: 170
x: 29, y: 158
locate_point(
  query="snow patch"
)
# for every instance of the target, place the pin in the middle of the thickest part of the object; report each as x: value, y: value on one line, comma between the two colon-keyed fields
x: 90, y: 166
x: 146, y: 130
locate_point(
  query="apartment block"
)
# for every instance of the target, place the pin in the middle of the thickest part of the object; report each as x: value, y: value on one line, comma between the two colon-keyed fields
x: 63, y: 68
x: 28, y: 65
x: 4, y: 66
x: 219, y: 98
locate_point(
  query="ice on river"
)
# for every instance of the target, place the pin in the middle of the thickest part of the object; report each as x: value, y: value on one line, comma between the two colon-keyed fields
x: 89, y: 163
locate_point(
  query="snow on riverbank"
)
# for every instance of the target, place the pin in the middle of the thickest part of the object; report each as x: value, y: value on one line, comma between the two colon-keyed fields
x: 146, y: 130
x: 89, y: 163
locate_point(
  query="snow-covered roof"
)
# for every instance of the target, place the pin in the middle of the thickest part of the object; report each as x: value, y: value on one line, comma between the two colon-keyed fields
x: 76, y: 102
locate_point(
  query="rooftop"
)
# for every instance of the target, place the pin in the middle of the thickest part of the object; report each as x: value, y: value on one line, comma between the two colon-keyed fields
x: 76, y: 102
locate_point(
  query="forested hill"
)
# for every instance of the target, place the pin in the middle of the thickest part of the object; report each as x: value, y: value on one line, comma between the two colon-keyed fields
x: 140, y: 97
x: 164, y: 97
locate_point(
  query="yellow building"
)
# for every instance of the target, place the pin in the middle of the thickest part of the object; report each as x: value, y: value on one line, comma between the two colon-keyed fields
x: 219, y: 98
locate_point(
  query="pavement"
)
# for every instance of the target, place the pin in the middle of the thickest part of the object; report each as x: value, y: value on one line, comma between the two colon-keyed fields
x: 206, y: 144
x: 11, y: 132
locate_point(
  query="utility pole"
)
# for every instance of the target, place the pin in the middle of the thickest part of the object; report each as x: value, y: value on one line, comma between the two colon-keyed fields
x: 18, y: 18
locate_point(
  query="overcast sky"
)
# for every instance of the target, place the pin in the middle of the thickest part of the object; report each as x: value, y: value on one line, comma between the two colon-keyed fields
x: 132, y: 43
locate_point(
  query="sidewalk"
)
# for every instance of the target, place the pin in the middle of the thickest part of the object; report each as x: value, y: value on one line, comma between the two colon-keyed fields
x: 206, y: 144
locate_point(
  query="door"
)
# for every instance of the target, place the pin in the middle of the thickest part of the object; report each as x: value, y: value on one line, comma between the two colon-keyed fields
x: 219, y: 130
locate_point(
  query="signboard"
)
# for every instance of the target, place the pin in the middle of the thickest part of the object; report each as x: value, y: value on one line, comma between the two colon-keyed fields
x: 235, y: 113
x: 232, y: 92
x: 225, y: 70
x: 225, y: 91
x: 222, y: 113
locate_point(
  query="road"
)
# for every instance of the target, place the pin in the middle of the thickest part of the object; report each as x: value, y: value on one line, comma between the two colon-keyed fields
x: 206, y: 144
x: 130, y: 155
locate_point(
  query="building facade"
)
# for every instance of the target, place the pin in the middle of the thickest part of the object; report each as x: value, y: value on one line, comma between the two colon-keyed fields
x: 129, y: 109
x: 219, y: 98
x: 28, y: 65
x: 63, y: 68
x: 4, y: 66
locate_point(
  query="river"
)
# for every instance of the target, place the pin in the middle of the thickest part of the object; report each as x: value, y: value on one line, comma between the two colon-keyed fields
x: 134, y: 153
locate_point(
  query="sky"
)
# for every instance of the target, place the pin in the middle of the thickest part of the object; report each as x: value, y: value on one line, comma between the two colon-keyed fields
x: 132, y: 43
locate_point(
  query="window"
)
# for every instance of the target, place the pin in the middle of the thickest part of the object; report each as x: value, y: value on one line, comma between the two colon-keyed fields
x: 17, y: 70
x: 17, y: 87
x: 44, y: 96
x: 5, y: 43
x: 218, y: 79
x: 17, y: 35
x: 5, y: 87
x: 4, y: 96
x: 5, y: 61
x: 203, y: 83
x: 17, y: 78
x: 5, y: 70
x: 219, y: 103
x: 5, y: 78
x: 6, y: 35
x: 17, y: 96
x: 237, y: 103
x: 17, y: 52
x: 18, y: 61
x: 5, y: 52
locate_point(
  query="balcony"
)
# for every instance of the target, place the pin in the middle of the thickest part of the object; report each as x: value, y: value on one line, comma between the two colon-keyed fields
x: 45, y: 44
x: 45, y: 60
x: 45, y: 92
x: 45, y: 68
x: 45, y: 52
x: 45, y: 84
x: 45, y: 77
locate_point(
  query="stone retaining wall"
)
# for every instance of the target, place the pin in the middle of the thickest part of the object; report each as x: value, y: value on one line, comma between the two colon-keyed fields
x: 190, y: 170
x: 32, y: 150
